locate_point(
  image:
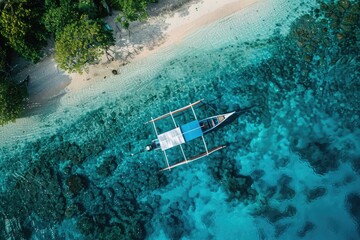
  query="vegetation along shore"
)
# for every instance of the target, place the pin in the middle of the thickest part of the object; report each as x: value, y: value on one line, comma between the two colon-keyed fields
x: 76, y: 29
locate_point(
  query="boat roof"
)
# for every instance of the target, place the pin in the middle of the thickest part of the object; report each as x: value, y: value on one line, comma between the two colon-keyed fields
x: 171, y: 138
x: 191, y: 130
x: 180, y: 135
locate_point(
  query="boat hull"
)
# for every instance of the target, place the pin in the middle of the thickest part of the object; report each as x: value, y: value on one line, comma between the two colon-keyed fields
x: 211, y: 123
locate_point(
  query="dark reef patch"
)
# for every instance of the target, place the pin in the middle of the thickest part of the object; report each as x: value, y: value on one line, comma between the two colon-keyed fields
x: 76, y: 183
x: 274, y: 214
x: 237, y: 186
x: 285, y: 192
x: 321, y: 156
x: 74, y: 209
x: 207, y: 219
x: 353, y: 206
x: 176, y: 224
x: 313, y: 194
x: 107, y: 166
x: 305, y: 229
x: 281, y: 229
x: 355, y: 163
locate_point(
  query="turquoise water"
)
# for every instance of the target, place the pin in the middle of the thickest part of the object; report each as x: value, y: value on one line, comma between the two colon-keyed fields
x: 290, y: 169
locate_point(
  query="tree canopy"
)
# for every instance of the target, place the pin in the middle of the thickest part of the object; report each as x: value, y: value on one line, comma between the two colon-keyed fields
x: 57, y: 16
x: 82, y: 43
x: 11, y: 99
x: 11, y: 95
x: 132, y: 10
x: 91, y: 8
x: 20, y: 26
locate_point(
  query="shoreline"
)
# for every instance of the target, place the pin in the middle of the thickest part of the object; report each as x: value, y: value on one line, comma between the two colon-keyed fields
x: 178, y: 33
x: 159, y: 31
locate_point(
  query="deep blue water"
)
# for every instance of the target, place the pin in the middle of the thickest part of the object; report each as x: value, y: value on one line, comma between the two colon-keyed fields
x: 290, y: 169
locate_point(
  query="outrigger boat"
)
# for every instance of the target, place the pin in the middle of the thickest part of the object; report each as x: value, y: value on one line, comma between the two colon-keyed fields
x: 185, y: 133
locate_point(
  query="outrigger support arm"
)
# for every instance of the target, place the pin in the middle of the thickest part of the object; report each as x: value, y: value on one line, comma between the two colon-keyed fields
x: 202, y: 136
x: 176, y: 111
x: 155, y: 128
x: 194, y: 158
x: 166, y: 158
x: 182, y: 150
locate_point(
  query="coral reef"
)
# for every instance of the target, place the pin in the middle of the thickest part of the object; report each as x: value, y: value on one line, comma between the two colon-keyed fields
x: 76, y: 183
x: 321, y: 156
x: 313, y: 194
x: 307, y: 228
x: 353, y: 206
x: 320, y: 47
x: 237, y: 186
x: 74, y: 209
x: 175, y: 222
x: 36, y: 191
x: 285, y: 192
x: 274, y: 214
x: 280, y: 229
x: 55, y: 186
x: 107, y: 166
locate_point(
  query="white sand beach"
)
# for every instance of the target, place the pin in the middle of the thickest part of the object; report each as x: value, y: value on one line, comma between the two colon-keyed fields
x: 160, y: 30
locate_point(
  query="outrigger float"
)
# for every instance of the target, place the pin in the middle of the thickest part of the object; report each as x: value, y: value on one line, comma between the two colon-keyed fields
x: 185, y: 133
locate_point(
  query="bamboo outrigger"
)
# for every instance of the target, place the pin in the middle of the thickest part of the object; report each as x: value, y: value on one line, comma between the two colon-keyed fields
x: 185, y: 133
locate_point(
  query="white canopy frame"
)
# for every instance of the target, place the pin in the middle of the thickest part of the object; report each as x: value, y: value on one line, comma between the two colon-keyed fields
x: 202, y: 136
x: 157, y: 135
x: 182, y: 150
x: 186, y: 160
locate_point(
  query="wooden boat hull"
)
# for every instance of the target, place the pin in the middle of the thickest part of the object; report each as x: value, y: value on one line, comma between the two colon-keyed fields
x: 211, y: 123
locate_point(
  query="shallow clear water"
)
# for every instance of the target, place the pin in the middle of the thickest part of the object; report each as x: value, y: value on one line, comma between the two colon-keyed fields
x: 290, y: 169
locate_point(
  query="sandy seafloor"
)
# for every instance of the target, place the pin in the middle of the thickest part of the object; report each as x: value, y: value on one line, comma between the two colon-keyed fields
x: 291, y: 166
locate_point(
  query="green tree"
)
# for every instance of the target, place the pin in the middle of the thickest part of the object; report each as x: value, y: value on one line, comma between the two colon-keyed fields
x: 11, y: 100
x: 114, y: 4
x: 2, y: 59
x: 11, y: 95
x: 82, y: 43
x: 20, y: 25
x: 57, y: 16
x: 89, y: 8
x: 132, y: 10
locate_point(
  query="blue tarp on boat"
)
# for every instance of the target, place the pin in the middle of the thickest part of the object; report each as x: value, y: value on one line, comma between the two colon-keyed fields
x: 191, y: 130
